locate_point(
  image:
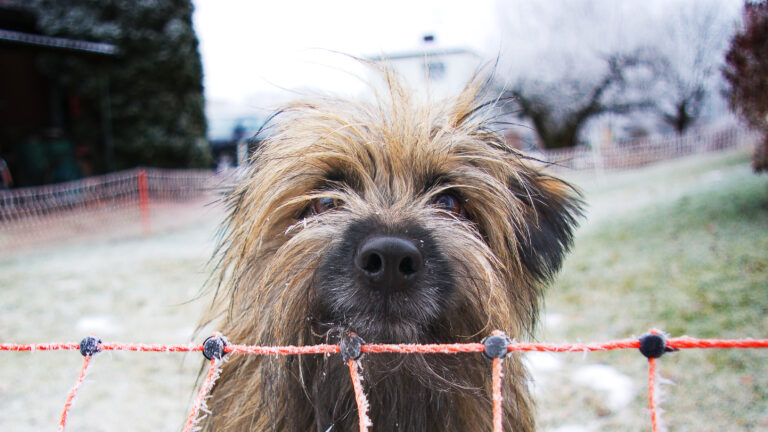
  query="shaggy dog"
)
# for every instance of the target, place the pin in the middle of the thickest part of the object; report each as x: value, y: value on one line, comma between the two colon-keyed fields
x: 401, y: 222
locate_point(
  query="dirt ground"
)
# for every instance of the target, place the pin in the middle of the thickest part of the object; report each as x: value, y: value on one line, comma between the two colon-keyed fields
x: 125, y: 289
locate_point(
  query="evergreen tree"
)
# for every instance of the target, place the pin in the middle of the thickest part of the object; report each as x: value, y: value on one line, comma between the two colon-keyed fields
x: 154, y: 82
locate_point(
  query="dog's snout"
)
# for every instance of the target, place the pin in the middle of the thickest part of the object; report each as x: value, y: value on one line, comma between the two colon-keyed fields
x: 389, y: 263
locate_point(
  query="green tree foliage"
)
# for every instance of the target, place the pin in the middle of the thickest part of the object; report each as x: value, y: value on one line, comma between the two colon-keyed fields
x: 155, y: 81
x: 746, y: 71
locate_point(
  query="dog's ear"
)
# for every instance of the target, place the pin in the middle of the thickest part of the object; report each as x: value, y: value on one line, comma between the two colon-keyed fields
x: 551, y: 209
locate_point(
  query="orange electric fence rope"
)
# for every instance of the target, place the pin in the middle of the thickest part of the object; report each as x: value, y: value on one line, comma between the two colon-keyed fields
x: 205, y: 389
x: 73, y: 393
x: 360, y: 400
x: 351, y: 348
x: 652, y: 345
x: 652, y: 393
x: 498, y: 400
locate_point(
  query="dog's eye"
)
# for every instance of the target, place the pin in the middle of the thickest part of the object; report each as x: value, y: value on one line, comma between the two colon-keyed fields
x: 322, y: 205
x: 449, y: 202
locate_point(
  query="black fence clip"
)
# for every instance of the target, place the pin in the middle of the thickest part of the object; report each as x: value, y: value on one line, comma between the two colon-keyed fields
x: 496, y: 346
x: 90, y: 346
x: 653, y: 345
x: 351, y: 346
x: 213, y: 347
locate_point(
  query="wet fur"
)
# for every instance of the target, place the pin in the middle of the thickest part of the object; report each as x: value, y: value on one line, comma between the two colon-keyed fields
x: 284, y: 278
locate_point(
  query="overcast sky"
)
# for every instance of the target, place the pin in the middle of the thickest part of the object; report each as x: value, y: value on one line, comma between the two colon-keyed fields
x: 251, y: 48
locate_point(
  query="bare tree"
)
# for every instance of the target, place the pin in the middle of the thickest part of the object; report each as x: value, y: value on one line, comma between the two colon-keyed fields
x: 563, y: 62
x: 688, y: 59
x: 559, y: 111
x: 682, y: 97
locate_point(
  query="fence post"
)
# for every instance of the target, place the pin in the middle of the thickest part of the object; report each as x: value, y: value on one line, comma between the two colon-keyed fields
x: 144, y: 202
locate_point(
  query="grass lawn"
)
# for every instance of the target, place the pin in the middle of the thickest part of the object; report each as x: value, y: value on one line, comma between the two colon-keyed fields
x: 682, y: 247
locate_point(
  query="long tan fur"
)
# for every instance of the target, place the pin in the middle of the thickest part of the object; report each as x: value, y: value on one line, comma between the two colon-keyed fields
x: 385, y: 161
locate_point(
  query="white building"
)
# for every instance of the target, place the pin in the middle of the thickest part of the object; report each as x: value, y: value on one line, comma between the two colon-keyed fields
x: 432, y: 70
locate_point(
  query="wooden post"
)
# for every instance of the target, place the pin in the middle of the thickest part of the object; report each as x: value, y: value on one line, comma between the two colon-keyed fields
x: 144, y: 202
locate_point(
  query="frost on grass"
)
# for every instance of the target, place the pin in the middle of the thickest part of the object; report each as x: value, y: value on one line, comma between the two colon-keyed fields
x: 617, y: 388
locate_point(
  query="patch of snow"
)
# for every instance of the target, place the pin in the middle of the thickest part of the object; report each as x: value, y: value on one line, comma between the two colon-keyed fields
x: 185, y: 333
x: 98, y: 325
x: 541, y: 362
x: 618, y: 388
x: 71, y: 284
x: 553, y: 320
x: 570, y: 428
x: 540, y: 365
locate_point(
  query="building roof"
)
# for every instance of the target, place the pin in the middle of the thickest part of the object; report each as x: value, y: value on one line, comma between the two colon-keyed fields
x: 57, y: 43
x: 422, y: 54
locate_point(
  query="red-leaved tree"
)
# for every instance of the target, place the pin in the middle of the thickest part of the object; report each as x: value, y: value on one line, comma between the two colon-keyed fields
x: 746, y: 71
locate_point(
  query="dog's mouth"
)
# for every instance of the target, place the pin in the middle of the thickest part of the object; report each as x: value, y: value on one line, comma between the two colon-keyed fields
x: 386, y: 285
x: 382, y: 316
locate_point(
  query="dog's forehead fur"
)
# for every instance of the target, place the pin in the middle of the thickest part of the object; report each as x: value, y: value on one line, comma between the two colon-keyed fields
x: 393, y: 154
x: 395, y: 150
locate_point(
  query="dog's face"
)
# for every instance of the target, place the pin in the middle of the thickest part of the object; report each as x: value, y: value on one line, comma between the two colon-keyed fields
x: 401, y: 225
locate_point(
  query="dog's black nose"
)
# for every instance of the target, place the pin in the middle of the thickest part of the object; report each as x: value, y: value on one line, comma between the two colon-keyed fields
x: 389, y: 263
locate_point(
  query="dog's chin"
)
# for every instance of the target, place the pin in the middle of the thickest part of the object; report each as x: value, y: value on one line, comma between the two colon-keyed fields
x: 390, y: 330
x: 388, y: 318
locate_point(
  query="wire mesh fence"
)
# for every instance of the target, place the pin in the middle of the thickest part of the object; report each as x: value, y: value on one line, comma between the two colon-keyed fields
x: 119, y: 204
x: 643, y: 151
x: 131, y: 202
